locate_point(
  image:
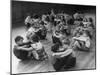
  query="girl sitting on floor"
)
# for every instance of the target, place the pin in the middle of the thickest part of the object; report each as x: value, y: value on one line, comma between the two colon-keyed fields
x: 82, y: 42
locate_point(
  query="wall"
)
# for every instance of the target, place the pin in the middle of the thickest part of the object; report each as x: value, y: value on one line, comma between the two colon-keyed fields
x: 21, y: 8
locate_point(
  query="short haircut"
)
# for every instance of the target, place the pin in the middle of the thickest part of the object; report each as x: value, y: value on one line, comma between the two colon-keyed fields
x: 18, y: 38
x: 35, y: 38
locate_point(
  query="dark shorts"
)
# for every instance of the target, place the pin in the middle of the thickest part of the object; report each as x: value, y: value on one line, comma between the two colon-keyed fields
x: 65, y: 62
x: 20, y: 54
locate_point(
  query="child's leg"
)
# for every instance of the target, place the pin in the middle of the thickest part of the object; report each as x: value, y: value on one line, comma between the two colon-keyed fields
x: 70, y: 62
x: 29, y: 54
x: 35, y: 54
x: 84, y: 48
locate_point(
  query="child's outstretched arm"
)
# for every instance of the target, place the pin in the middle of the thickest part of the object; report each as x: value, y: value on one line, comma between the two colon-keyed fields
x: 25, y: 49
x: 67, y: 52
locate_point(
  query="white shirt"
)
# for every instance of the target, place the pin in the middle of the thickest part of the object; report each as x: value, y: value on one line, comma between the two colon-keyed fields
x: 85, y: 39
x: 37, y: 46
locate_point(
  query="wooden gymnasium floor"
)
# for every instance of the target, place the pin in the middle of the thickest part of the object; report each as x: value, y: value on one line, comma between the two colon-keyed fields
x: 85, y: 60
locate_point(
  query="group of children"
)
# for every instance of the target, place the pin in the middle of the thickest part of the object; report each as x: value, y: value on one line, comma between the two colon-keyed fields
x: 69, y: 33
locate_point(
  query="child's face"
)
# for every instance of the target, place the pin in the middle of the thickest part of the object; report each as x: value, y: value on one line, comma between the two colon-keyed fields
x: 20, y: 42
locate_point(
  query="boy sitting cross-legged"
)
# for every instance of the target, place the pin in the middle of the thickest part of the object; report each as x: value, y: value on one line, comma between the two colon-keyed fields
x: 64, y: 56
x: 20, y: 53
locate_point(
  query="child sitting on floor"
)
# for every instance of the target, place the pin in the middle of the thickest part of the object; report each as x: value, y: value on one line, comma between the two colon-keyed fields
x: 82, y: 42
x: 22, y: 54
x: 64, y: 56
x: 40, y: 53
